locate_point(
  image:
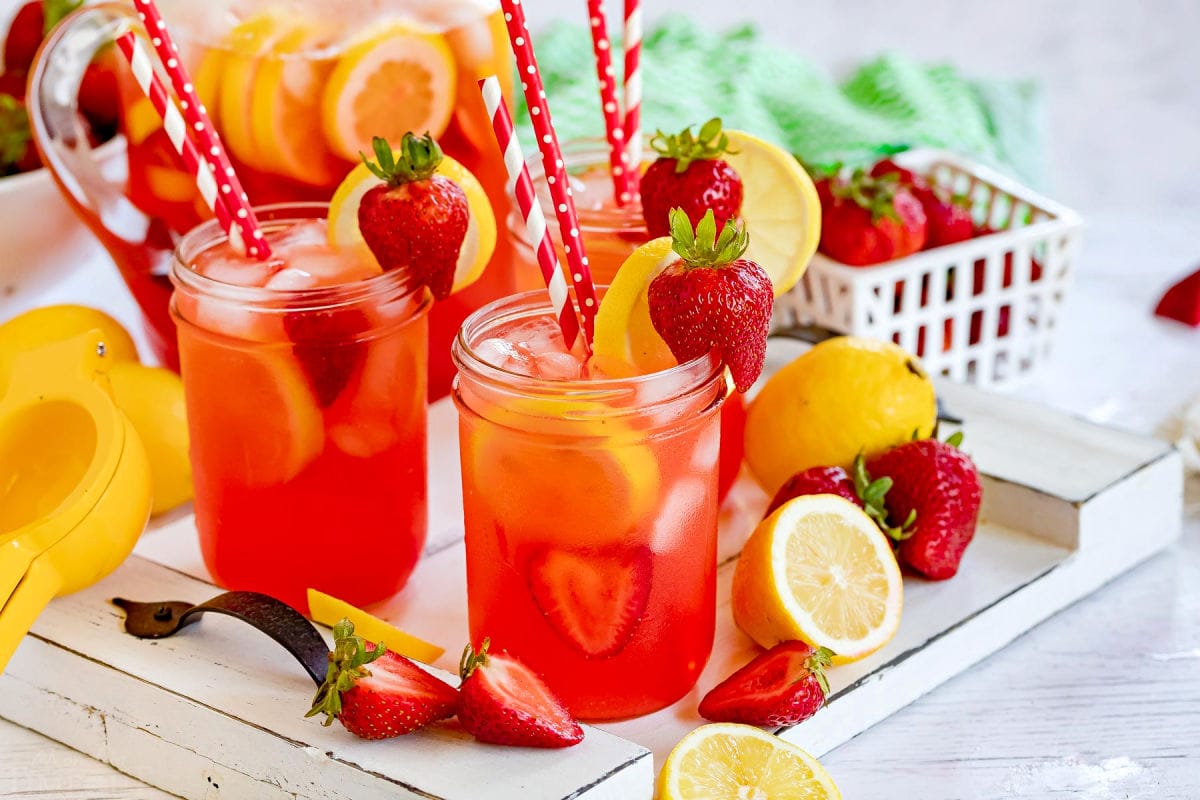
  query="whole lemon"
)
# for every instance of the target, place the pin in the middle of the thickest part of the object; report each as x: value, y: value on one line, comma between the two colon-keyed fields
x: 53, y: 323
x: 152, y: 398
x: 844, y: 396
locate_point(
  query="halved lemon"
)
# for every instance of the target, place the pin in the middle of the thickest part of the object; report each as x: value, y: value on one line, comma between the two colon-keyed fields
x: 477, y: 246
x: 329, y: 610
x: 395, y: 81
x: 724, y: 761
x: 820, y: 570
x: 780, y: 206
x: 285, y: 106
x: 246, y: 45
x: 625, y: 340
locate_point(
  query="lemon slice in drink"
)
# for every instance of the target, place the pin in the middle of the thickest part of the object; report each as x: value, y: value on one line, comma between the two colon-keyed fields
x: 329, y: 610
x: 819, y: 569
x: 625, y: 341
x: 780, y: 207
x: 394, y: 81
x: 477, y: 246
x: 724, y: 761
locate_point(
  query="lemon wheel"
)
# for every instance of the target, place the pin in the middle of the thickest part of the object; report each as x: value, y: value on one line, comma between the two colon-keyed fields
x: 625, y: 340
x: 247, y: 44
x: 780, y: 206
x: 819, y: 569
x: 393, y: 82
x: 733, y: 762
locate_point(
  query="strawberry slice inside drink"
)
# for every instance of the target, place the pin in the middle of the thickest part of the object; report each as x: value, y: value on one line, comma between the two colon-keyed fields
x: 593, y: 599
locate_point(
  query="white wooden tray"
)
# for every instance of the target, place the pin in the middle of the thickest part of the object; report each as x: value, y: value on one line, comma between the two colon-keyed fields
x: 217, y: 711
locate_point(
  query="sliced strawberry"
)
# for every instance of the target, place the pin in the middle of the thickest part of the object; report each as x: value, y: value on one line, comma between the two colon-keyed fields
x: 502, y: 701
x: 783, y: 686
x: 1181, y: 302
x: 327, y: 347
x: 593, y: 598
x: 378, y: 694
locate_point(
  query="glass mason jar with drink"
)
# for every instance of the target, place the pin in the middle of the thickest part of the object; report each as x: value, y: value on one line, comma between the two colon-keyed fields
x: 304, y: 377
x: 296, y: 89
x: 590, y: 510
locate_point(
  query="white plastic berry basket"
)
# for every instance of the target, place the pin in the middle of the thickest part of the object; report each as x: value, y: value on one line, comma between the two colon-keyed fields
x: 982, y: 311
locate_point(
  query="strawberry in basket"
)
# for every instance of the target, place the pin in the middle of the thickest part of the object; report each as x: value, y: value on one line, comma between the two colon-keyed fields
x: 868, y: 219
x: 948, y: 216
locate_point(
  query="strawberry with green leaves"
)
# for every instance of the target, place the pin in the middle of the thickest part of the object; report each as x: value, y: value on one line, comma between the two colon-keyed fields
x: 934, y: 498
x: 713, y: 298
x: 948, y: 216
x: 691, y: 174
x: 416, y: 219
x: 502, y: 701
x: 378, y: 694
x: 783, y: 686
x: 869, y: 220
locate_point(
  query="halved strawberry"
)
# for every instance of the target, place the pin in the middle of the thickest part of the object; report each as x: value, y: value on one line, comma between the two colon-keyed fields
x: 593, y: 598
x: 502, y: 701
x: 391, y: 698
x: 783, y: 686
x: 327, y: 347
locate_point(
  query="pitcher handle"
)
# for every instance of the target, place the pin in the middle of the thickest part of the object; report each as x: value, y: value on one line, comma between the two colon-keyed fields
x: 94, y: 185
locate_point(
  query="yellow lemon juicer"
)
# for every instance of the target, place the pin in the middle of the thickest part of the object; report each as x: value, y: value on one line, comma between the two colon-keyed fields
x: 74, y: 478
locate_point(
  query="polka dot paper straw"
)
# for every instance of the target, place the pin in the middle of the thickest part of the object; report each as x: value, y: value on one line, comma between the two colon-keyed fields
x: 613, y: 127
x: 520, y: 186
x: 176, y: 128
x: 210, y: 147
x: 552, y: 162
x: 633, y: 91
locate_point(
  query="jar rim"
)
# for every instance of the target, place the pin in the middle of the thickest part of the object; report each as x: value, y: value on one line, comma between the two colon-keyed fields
x: 209, y: 234
x: 690, y: 376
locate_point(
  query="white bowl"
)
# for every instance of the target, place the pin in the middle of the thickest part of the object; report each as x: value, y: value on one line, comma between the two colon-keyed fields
x: 41, y: 238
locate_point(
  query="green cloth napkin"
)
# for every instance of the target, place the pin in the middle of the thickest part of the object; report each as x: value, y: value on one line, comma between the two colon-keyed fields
x: 691, y: 74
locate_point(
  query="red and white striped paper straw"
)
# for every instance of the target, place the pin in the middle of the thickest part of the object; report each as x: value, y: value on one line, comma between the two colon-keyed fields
x: 552, y: 163
x: 614, y: 131
x: 210, y: 148
x: 520, y: 186
x: 633, y: 91
x: 176, y: 128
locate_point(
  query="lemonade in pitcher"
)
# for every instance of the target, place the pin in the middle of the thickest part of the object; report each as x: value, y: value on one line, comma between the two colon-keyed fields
x: 296, y: 89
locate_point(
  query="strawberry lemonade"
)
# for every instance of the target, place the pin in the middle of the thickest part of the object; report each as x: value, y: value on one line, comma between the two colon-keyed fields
x: 305, y: 384
x: 590, y: 510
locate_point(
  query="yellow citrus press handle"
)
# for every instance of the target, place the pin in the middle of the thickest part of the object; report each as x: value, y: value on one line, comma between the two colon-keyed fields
x: 34, y: 593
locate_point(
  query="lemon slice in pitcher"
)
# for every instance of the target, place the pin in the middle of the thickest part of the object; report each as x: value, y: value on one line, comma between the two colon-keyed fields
x: 478, y: 245
x: 395, y: 81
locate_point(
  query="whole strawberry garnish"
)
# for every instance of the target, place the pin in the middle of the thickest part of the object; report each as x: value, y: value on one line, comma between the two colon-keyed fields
x: 29, y: 26
x: 390, y: 698
x: 1181, y: 302
x: 502, y: 701
x: 936, y: 487
x: 783, y: 686
x: 712, y: 298
x: 869, y: 220
x: 689, y: 173
x: 416, y: 220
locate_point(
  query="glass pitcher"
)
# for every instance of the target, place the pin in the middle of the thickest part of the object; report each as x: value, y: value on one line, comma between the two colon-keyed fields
x: 296, y: 88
